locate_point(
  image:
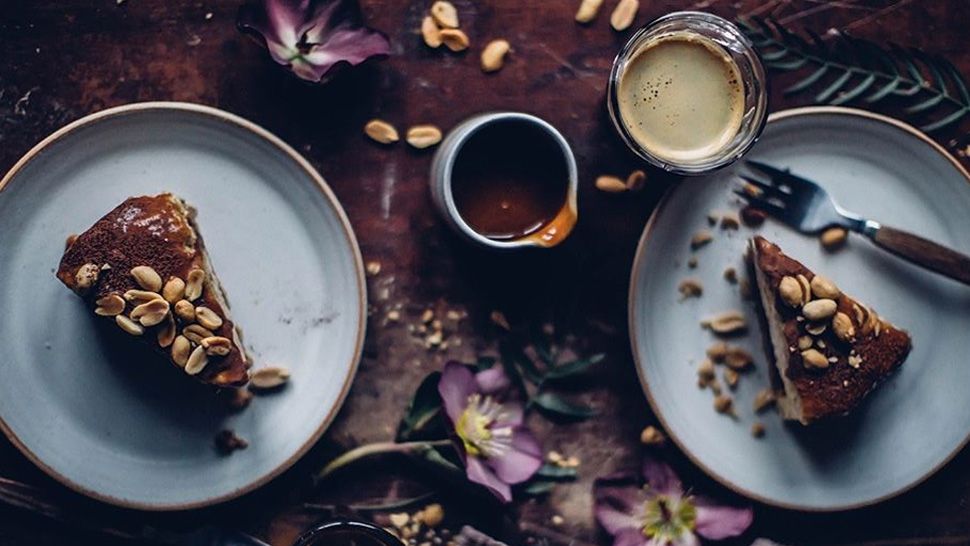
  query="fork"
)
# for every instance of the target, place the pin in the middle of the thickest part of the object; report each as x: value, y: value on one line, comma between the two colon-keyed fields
x: 807, y: 207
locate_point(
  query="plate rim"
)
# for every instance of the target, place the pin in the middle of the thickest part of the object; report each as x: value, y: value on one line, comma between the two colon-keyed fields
x: 348, y: 232
x: 640, y: 363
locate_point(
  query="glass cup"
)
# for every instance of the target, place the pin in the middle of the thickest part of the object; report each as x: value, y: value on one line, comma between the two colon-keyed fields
x: 347, y: 533
x: 740, y: 50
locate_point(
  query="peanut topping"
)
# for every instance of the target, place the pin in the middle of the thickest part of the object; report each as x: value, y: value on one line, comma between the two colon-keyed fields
x: 824, y: 288
x: 166, y: 334
x: 216, y: 345
x: 180, y: 350
x: 129, y: 325
x: 185, y: 310
x: 173, y: 290
x: 790, y: 291
x: 814, y: 359
x: 208, y: 318
x: 86, y: 276
x: 196, y: 333
x: 819, y: 310
x: 843, y: 327
x: 147, y: 278
x: 150, y: 313
x: 193, y: 285
x: 197, y: 361
x: 110, y: 305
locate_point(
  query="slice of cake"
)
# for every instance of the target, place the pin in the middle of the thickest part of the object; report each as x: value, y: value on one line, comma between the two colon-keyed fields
x: 144, y: 267
x: 829, y: 349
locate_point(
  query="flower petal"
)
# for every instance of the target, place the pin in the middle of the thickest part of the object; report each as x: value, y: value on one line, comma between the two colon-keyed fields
x: 619, y: 503
x: 633, y: 537
x: 522, y: 461
x: 352, y: 46
x: 511, y: 416
x: 660, y: 477
x: 479, y: 473
x: 717, y: 522
x: 456, y: 385
x: 492, y: 380
x: 686, y: 539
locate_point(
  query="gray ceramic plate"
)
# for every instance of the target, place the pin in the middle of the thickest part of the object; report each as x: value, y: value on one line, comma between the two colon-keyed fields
x: 909, y: 427
x: 88, y: 412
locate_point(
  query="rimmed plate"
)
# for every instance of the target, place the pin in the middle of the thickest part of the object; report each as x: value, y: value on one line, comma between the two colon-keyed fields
x: 908, y: 428
x: 98, y: 418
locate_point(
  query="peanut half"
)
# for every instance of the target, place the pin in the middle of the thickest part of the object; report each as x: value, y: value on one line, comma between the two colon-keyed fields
x: 587, y: 10
x: 421, y: 137
x: 270, y: 377
x: 610, y: 184
x: 493, y: 56
x: 454, y: 39
x: 380, y: 131
x: 624, y: 14
x: 110, y: 305
x: 445, y: 14
x: 430, y: 32
x: 147, y: 278
x: 173, y: 290
x: 193, y: 284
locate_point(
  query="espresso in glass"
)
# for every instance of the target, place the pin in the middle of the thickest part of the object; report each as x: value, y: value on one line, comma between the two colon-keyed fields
x: 687, y: 93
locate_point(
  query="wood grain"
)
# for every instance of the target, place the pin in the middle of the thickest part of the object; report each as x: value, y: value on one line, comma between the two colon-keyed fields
x: 925, y: 253
x: 61, y: 59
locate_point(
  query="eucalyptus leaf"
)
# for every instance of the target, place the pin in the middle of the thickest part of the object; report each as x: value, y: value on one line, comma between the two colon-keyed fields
x: 554, y: 404
x: 485, y: 362
x: 425, y: 406
x: 851, y: 69
x: 515, y: 359
x: 554, y: 472
x: 537, y: 488
x: 576, y: 367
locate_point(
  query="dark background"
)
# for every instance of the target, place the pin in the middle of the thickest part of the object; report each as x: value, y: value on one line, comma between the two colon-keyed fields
x: 60, y: 60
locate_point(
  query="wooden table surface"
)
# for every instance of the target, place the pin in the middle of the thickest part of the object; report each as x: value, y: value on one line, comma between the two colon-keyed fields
x: 62, y: 59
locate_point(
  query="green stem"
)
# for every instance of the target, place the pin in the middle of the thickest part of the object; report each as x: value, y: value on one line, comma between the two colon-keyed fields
x: 378, y: 448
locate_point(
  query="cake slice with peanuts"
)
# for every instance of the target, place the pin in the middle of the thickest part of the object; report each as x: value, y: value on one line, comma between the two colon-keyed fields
x: 144, y: 267
x: 830, y: 350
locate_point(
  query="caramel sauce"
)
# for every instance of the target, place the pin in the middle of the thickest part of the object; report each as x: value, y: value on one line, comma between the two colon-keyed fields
x: 510, y: 182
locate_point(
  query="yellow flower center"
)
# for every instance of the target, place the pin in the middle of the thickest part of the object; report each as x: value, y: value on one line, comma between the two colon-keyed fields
x: 667, y: 519
x: 475, y: 428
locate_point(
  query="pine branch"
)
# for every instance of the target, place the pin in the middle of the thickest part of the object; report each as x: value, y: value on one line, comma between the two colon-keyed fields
x: 852, y: 70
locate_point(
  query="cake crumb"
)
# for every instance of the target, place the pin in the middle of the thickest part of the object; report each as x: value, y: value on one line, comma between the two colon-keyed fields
x: 731, y: 377
x: 690, y: 288
x: 373, y: 267
x: 730, y: 221
x: 712, y: 218
x: 758, y: 430
x: 731, y: 275
x: 692, y: 262
x: 763, y: 400
x: 227, y: 441
x: 700, y: 239
x: 651, y: 436
x: 724, y: 404
x: 557, y: 520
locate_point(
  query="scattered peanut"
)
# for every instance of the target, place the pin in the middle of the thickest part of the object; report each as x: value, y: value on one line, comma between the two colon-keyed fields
x: 636, y: 180
x: 833, y: 238
x: 624, y: 14
x: 379, y: 131
x: 738, y: 359
x: 423, y: 136
x: 700, y: 239
x: 724, y: 404
x: 610, y: 184
x: 651, y: 436
x: 731, y: 275
x: 454, y: 39
x: 270, y: 377
x: 430, y: 32
x: 753, y: 217
x: 445, y: 14
x: 493, y: 56
x: 763, y: 400
x: 690, y: 288
x: 730, y: 220
x: 731, y: 377
x: 758, y: 430
x: 587, y: 10
x: 727, y: 323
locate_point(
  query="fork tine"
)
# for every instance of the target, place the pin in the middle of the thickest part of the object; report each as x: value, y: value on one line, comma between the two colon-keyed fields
x: 777, y: 175
x: 763, y: 204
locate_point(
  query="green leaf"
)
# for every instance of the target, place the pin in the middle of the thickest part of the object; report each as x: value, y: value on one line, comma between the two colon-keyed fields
x: 946, y: 121
x: 537, y: 488
x: 807, y: 82
x: 925, y: 105
x: 834, y: 87
x: 508, y: 359
x: 575, y: 367
x: 485, y: 362
x: 435, y: 457
x: 554, y: 404
x: 957, y: 79
x: 513, y: 357
x: 554, y: 472
x: 788, y: 65
x: 425, y: 406
x: 884, y: 91
x: 856, y: 91
x: 774, y: 55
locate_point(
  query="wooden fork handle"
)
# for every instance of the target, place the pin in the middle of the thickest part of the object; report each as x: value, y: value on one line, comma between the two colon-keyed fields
x: 924, y: 253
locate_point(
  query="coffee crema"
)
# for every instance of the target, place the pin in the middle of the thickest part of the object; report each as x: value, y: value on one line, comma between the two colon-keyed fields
x: 681, y: 97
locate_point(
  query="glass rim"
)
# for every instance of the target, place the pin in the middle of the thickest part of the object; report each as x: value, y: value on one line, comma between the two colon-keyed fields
x: 756, y: 78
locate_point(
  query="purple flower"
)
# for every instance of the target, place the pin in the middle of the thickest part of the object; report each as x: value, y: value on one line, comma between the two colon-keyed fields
x: 660, y: 513
x: 312, y: 36
x: 495, y: 446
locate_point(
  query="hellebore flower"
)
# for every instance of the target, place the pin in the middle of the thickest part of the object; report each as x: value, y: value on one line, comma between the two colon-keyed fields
x: 311, y: 37
x: 660, y: 512
x: 497, y: 449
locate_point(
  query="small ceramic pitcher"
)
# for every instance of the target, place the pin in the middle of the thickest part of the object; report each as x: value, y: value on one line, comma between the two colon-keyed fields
x: 551, y: 233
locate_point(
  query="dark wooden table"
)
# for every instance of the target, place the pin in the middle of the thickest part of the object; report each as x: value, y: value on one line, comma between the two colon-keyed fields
x: 60, y: 60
